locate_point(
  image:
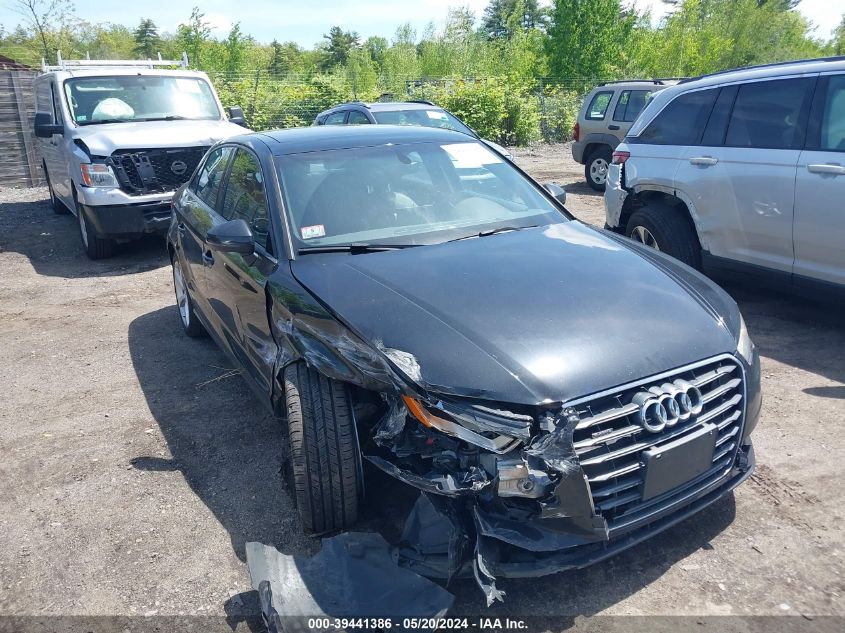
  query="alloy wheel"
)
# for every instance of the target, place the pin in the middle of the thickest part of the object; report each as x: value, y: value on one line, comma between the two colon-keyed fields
x: 598, y: 171
x: 643, y: 236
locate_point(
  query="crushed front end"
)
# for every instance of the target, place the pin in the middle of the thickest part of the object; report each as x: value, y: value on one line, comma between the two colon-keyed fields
x: 516, y: 491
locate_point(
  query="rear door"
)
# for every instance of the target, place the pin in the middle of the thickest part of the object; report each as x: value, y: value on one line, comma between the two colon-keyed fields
x: 819, y: 233
x: 235, y: 283
x: 740, y: 175
x: 628, y: 106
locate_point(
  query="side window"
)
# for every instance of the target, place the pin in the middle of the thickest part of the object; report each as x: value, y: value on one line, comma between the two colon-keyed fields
x: 682, y: 121
x: 766, y: 114
x: 210, y: 177
x: 714, y: 133
x: 630, y: 104
x: 357, y: 118
x: 57, y: 105
x: 44, y: 98
x: 598, y: 106
x: 833, y: 119
x: 335, y: 118
x: 245, y: 197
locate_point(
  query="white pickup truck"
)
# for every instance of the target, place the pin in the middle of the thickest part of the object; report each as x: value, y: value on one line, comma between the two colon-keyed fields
x: 117, y: 138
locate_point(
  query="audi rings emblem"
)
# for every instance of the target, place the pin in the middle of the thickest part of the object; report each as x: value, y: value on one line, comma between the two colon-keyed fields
x: 666, y: 405
x: 178, y: 167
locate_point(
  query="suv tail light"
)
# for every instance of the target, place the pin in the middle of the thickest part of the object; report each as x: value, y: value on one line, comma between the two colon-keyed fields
x: 576, y: 131
x: 619, y: 158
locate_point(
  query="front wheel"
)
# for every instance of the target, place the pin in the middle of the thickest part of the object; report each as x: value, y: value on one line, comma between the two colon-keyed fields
x: 665, y: 228
x: 595, y: 170
x: 95, y: 247
x: 324, y: 455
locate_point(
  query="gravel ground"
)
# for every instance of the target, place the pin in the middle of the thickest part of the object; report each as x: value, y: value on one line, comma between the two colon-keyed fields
x: 135, y: 467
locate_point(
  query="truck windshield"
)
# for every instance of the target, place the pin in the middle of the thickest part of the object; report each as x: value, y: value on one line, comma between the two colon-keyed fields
x: 112, y: 99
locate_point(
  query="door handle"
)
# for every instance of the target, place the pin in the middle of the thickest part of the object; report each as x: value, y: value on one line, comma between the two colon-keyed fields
x: 208, y: 258
x: 703, y: 160
x: 181, y: 228
x: 612, y: 127
x: 827, y: 169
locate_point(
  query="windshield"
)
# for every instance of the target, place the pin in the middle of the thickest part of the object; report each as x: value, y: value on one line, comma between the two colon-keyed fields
x: 421, y: 193
x: 119, y: 98
x: 425, y: 118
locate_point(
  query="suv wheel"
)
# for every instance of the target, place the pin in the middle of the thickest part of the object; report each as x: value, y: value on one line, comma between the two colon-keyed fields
x: 190, y: 324
x: 324, y: 456
x: 95, y: 247
x: 665, y: 228
x: 595, y: 169
x: 58, y: 206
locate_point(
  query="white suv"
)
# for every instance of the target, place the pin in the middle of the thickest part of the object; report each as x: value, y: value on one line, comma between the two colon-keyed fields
x: 741, y: 171
x: 117, y: 138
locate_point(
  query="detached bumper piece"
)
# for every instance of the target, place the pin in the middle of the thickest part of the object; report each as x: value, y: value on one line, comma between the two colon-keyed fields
x: 353, y: 576
x: 129, y: 221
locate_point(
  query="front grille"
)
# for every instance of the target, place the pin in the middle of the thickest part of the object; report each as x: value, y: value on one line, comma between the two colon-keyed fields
x: 142, y: 171
x: 609, y: 440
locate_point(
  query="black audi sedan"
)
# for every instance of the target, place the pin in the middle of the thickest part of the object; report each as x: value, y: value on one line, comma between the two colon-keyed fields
x: 405, y: 297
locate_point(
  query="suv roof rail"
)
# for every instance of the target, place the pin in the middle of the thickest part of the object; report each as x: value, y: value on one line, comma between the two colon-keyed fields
x: 423, y: 101
x: 832, y: 58
x: 657, y: 82
x: 74, y: 64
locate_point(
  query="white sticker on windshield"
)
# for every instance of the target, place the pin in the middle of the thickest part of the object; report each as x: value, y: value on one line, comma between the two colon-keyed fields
x: 471, y: 155
x: 188, y: 85
x: 437, y: 116
x: 310, y: 232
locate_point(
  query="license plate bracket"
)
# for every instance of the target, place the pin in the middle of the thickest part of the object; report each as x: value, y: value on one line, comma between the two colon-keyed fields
x: 673, y: 464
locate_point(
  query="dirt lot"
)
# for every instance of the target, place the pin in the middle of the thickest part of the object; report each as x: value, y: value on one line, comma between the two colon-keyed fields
x: 134, y: 467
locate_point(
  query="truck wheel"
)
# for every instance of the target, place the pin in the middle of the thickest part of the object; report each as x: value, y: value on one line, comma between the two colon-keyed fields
x: 59, y: 207
x: 666, y: 229
x: 595, y: 169
x: 188, y: 317
x: 324, y: 452
x: 95, y: 247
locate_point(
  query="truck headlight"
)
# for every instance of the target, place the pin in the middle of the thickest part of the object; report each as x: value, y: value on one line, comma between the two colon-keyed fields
x: 745, y: 346
x: 98, y: 175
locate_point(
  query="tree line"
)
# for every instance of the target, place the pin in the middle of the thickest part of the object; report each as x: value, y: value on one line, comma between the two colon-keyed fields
x: 512, y: 58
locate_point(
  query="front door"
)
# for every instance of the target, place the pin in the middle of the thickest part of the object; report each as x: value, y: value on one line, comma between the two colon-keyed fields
x: 819, y: 234
x: 236, y: 283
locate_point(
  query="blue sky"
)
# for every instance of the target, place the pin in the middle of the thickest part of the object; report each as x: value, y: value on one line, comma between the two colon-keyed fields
x: 306, y: 22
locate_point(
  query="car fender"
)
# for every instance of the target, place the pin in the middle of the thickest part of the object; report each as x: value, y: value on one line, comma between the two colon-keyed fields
x: 597, y: 138
x: 675, y: 193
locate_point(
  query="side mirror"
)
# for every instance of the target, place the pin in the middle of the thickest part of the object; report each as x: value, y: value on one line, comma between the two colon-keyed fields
x: 233, y: 236
x: 236, y: 115
x: 44, y: 126
x: 558, y: 192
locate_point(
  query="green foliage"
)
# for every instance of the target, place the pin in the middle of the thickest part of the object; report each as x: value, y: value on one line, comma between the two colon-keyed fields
x: 559, y: 111
x: 147, y: 41
x: 505, y: 18
x: 339, y: 44
x: 192, y: 35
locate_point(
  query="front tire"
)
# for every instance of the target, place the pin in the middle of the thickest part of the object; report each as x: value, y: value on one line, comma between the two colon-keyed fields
x: 95, y: 247
x: 667, y: 229
x: 595, y: 170
x: 324, y: 453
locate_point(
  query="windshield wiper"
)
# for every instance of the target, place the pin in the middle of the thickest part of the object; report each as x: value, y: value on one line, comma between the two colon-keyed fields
x: 500, y: 229
x: 169, y: 117
x: 101, y: 121
x: 355, y: 248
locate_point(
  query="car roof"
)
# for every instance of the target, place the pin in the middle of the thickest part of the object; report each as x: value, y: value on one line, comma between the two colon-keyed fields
x: 797, y: 67
x: 326, y: 137
x: 382, y: 106
x: 637, y: 84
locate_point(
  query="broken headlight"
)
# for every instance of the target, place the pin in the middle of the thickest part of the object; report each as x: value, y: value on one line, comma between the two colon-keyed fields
x: 98, y: 175
x: 475, y: 426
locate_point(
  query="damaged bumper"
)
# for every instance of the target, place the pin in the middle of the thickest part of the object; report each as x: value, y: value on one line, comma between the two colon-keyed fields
x: 573, y: 487
x: 614, y: 197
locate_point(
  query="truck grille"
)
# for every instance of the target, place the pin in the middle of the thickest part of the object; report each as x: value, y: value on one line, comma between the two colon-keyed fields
x: 610, y: 440
x: 143, y: 171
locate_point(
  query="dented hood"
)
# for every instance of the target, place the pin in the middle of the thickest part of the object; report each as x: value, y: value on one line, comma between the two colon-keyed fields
x: 105, y: 138
x: 532, y: 316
